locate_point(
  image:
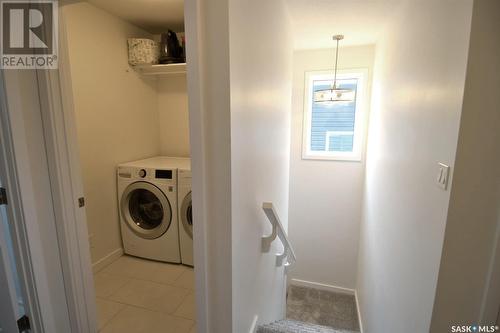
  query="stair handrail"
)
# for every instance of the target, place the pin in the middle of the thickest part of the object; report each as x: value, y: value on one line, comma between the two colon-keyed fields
x: 287, y: 258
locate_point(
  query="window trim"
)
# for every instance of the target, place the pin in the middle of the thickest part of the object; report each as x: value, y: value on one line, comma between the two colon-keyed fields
x: 361, y: 74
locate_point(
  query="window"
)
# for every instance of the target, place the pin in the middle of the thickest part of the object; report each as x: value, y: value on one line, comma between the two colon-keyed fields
x: 335, y: 131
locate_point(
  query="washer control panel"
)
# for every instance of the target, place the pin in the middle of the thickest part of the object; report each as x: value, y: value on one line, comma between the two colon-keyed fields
x: 163, y: 175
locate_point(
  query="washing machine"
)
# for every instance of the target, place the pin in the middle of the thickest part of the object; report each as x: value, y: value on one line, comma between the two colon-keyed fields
x: 185, y: 216
x: 147, y: 197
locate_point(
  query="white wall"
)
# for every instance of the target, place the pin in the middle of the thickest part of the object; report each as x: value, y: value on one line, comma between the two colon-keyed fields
x: 325, y: 196
x: 261, y: 68
x: 473, y: 224
x: 417, y: 101
x: 116, y: 114
x: 174, y: 116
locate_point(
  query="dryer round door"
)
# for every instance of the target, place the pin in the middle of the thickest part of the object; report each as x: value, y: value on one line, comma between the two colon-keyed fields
x: 146, y: 210
x: 187, y: 215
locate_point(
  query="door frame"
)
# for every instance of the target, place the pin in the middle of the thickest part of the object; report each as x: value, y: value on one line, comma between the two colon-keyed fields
x: 490, y: 306
x: 193, y: 18
x: 56, y: 101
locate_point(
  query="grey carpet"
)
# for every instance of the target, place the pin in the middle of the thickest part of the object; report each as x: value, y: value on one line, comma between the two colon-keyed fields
x: 292, y: 326
x: 335, y: 310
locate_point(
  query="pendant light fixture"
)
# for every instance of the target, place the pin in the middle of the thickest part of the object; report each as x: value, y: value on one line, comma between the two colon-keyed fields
x: 335, y: 94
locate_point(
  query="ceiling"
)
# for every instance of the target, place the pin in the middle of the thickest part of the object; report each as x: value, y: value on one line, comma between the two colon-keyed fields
x: 316, y: 21
x: 154, y: 16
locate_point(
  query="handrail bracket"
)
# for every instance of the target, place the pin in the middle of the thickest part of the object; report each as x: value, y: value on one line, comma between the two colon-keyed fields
x: 287, y: 258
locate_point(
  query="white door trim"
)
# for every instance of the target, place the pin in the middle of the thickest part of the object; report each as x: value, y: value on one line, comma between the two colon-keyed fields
x: 207, y: 30
x: 56, y: 98
x: 193, y: 25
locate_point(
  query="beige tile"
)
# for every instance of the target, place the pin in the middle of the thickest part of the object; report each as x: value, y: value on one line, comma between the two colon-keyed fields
x: 167, y: 273
x: 186, y: 280
x: 150, y: 295
x: 187, y: 308
x: 106, y: 284
x: 137, y: 320
x: 132, y: 267
x: 144, y: 269
x: 106, y: 310
x: 193, y: 329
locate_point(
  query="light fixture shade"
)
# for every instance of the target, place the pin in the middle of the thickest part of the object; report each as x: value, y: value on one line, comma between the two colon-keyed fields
x: 334, y: 95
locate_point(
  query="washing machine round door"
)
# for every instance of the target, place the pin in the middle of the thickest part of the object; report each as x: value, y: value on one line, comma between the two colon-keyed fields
x: 146, y: 210
x: 187, y: 215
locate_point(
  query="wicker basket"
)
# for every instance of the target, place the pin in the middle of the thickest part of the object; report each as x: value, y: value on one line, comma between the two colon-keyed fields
x: 143, y: 51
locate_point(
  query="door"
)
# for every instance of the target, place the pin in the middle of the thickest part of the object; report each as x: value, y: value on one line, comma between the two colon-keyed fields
x: 187, y: 215
x: 11, y: 302
x: 146, y: 210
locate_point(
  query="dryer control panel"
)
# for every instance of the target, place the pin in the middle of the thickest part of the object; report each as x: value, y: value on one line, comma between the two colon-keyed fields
x: 161, y: 175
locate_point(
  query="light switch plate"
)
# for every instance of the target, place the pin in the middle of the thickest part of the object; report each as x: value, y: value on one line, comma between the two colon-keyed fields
x: 442, y: 176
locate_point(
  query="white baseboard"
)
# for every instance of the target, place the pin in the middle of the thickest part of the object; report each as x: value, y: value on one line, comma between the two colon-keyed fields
x: 322, y: 286
x: 107, y: 260
x: 253, y: 328
x: 359, y: 312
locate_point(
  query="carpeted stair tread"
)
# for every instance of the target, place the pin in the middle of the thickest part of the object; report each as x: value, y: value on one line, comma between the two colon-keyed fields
x: 293, y: 326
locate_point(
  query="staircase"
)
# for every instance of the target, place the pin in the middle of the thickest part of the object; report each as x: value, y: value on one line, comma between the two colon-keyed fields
x: 292, y: 326
x: 306, y: 304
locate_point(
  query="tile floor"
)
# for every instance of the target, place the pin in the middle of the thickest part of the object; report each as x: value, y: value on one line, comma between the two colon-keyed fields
x: 137, y: 296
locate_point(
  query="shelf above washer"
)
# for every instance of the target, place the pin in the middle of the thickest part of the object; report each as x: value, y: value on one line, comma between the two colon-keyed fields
x: 161, y: 69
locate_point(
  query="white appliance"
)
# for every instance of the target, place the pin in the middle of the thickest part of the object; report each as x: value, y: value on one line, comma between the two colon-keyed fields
x: 185, y: 216
x: 147, y: 196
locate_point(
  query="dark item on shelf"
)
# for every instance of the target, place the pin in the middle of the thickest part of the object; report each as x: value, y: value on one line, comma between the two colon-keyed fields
x: 170, y: 49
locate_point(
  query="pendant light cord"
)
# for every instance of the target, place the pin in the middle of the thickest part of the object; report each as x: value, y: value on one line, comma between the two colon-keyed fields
x: 336, y: 62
